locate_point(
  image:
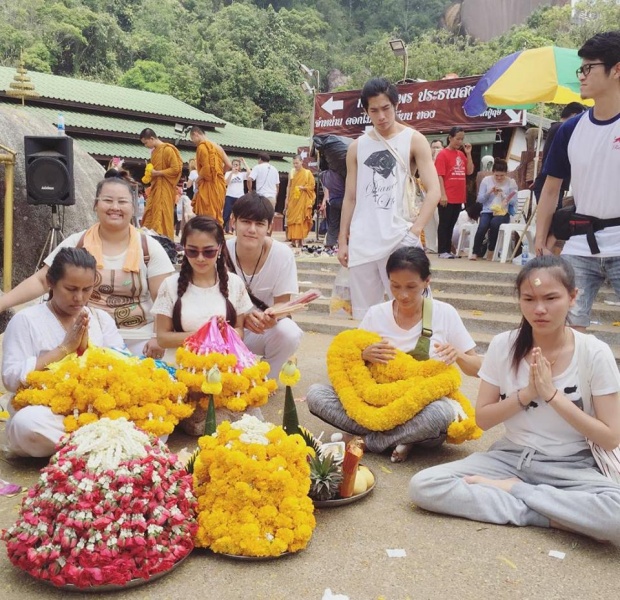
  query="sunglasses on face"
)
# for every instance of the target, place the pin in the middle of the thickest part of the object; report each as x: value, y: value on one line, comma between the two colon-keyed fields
x: 207, y: 252
x: 585, y: 69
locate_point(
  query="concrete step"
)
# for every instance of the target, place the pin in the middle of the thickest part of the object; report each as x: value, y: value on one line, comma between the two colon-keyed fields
x: 478, y: 328
x: 501, y: 306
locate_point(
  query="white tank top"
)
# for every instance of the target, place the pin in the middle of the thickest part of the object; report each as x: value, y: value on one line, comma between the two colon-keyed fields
x: 376, y: 227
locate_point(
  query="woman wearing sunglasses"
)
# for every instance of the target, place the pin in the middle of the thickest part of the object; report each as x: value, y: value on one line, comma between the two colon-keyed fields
x: 202, y: 289
x: 130, y: 268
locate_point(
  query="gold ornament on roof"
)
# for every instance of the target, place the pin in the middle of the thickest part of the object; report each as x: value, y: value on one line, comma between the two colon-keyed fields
x: 21, y: 86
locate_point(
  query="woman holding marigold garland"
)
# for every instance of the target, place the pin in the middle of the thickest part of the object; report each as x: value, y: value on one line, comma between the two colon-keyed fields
x: 45, y: 333
x: 542, y: 472
x: 400, y: 324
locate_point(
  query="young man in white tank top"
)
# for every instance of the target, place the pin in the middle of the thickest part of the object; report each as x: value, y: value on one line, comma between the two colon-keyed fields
x: 372, y: 225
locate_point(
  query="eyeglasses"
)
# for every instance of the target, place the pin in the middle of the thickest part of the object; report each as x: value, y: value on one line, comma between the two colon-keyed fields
x: 207, y: 252
x: 122, y: 203
x: 585, y: 69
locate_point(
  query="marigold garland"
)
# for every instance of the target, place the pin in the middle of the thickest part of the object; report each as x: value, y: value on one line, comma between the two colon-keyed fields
x: 106, y: 383
x: 240, y: 389
x: 252, y: 482
x: 148, y: 174
x: 381, y: 397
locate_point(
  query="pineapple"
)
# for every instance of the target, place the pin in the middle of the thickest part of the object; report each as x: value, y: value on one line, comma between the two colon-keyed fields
x: 325, y: 477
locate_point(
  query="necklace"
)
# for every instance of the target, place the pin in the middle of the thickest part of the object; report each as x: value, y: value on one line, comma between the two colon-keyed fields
x: 552, y: 362
x: 397, y: 316
x: 50, y: 305
x: 249, y: 283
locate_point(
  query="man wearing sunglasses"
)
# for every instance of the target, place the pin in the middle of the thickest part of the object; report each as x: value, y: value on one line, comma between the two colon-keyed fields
x: 586, y: 148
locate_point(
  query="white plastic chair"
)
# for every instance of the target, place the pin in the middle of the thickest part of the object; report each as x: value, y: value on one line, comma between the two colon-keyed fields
x: 504, y: 245
x: 467, y: 234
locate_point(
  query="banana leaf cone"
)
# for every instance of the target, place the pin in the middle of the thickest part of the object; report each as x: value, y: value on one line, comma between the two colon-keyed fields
x: 290, y: 421
x: 210, y: 422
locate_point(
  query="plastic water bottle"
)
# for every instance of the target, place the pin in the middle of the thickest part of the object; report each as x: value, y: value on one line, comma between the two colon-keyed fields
x: 525, y: 252
x: 61, y: 124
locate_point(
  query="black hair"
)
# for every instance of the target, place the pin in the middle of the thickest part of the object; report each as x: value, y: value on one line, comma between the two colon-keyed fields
x: 452, y: 133
x: 500, y: 166
x: 572, y: 109
x: 409, y: 259
x: 603, y: 47
x: 223, y: 265
x: 473, y: 210
x: 375, y: 87
x: 264, y: 156
x: 147, y: 133
x: 69, y: 257
x: 254, y: 207
x: 563, y: 272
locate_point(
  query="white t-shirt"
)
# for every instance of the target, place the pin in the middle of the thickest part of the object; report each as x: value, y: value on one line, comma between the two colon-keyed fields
x: 266, y: 179
x: 587, y: 151
x: 159, y: 264
x: 446, y: 324
x: 193, y: 175
x: 200, y: 304
x: 35, y: 330
x: 541, y: 427
x: 377, y: 227
x: 235, y: 183
x: 278, y: 276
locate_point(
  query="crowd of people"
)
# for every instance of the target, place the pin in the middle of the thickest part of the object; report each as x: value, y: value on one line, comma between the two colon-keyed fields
x: 555, y: 389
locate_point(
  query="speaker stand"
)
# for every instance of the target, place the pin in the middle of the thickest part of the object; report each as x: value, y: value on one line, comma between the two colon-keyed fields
x: 54, y: 236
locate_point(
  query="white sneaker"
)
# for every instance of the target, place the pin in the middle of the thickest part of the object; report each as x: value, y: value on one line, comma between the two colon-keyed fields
x: 446, y: 255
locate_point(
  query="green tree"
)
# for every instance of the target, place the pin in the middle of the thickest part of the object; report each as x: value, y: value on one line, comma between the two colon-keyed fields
x: 147, y: 75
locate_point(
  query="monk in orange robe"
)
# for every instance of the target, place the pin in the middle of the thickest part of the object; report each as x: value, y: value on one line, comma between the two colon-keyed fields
x: 299, y: 204
x: 167, y: 168
x: 211, y: 164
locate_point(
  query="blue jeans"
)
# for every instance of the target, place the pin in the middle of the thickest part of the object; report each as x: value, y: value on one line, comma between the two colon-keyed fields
x: 488, y: 222
x: 228, y: 206
x: 590, y: 273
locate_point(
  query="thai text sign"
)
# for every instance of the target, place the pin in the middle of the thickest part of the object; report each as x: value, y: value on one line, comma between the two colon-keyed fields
x: 429, y: 107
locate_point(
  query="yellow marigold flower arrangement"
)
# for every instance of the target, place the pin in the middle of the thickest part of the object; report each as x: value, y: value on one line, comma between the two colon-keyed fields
x: 148, y: 174
x: 106, y: 383
x: 381, y: 397
x: 252, y: 481
x: 240, y: 387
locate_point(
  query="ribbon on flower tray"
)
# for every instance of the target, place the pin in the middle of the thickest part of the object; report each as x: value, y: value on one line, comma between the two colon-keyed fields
x: 218, y: 336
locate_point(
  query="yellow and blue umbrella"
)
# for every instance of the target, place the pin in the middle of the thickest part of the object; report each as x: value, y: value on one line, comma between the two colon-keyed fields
x: 523, y: 79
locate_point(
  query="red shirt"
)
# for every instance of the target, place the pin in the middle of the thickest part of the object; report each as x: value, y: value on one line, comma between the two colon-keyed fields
x: 452, y: 166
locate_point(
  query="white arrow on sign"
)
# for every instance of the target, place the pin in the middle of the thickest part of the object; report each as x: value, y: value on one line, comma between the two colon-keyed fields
x: 303, y: 154
x: 331, y: 105
x: 515, y: 115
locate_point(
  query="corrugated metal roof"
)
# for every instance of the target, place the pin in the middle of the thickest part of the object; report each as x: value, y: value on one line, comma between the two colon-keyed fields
x: 82, y: 91
x: 231, y: 137
x: 110, y: 148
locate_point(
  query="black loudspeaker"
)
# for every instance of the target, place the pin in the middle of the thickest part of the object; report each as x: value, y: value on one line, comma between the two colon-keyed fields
x: 49, y: 170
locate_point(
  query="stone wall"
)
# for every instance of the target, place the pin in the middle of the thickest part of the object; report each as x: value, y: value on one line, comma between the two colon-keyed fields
x: 32, y: 223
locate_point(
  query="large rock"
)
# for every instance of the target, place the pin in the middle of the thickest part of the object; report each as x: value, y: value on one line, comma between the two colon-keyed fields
x: 32, y: 223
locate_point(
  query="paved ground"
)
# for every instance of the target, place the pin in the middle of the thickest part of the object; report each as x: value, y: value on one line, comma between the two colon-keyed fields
x: 445, y: 557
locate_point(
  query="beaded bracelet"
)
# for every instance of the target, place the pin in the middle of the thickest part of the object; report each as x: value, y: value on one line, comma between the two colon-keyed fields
x: 523, y: 406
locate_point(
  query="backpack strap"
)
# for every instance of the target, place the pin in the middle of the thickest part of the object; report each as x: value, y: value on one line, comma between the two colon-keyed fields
x: 145, y: 249
x: 427, y: 318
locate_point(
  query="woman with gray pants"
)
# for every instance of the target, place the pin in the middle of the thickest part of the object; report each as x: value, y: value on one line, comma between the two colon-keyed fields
x: 552, y: 387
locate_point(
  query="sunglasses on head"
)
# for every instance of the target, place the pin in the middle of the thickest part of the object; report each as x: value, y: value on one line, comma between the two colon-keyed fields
x: 207, y: 252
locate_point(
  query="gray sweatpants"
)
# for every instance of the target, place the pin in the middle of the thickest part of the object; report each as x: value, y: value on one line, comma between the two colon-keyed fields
x: 427, y: 428
x: 569, y: 490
